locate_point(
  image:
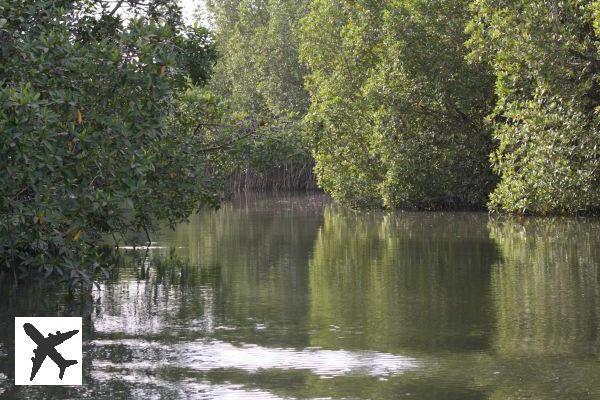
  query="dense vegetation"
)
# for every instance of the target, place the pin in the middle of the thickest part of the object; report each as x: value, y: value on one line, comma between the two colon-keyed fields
x: 400, y: 92
x: 259, y: 77
x: 397, y: 114
x: 86, y: 100
x: 546, y: 125
x: 117, y: 115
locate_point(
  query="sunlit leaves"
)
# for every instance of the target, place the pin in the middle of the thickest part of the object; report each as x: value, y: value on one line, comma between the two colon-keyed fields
x: 545, y: 56
x: 396, y: 117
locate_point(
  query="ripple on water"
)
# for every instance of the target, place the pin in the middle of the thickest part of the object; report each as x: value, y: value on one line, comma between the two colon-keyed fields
x: 144, y: 385
x: 212, y: 355
x: 3, y: 383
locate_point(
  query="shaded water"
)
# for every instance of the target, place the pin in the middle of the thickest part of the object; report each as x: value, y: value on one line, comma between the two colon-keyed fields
x: 292, y: 297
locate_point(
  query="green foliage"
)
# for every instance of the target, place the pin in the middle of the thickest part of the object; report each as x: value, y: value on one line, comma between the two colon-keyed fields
x: 429, y: 121
x: 259, y: 80
x: 197, y: 53
x: 339, y: 40
x: 545, y: 57
x: 84, y: 133
x: 396, y: 117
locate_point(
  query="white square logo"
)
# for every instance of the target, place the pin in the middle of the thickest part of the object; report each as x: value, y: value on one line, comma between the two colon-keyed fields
x: 48, y: 350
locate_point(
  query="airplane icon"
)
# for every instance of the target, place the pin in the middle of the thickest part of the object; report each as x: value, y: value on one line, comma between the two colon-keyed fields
x: 46, y: 347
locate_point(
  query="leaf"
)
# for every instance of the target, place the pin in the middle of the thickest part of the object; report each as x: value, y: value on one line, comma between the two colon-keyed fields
x: 77, y: 234
x: 79, y: 118
x: 41, y: 217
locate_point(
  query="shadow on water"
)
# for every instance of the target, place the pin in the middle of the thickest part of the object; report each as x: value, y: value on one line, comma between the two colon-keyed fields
x: 40, y: 299
x: 291, y: 297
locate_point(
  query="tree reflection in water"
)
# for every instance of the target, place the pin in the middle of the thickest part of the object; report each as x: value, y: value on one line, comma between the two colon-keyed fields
x: 292, y: 297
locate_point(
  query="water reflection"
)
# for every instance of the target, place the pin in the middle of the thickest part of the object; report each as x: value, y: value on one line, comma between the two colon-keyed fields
x: 148, y: 308
x: 245, y: 276
x: 292, y: 297
x: 546, y: 286
x: 546, y: 289
x: 402, y: 281
x: 141, y: 385
x: 204, y: 355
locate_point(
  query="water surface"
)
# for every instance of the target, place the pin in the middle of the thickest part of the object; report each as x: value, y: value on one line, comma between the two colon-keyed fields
x: 281, y: 297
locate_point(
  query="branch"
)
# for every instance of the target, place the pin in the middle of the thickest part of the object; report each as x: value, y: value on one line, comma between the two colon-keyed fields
x: 227, y: 144
x: 201, y: 124
x: 117, y: 6
x: 250, y: 131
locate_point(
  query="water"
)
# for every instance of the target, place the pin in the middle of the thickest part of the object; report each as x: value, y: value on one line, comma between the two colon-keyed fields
x: 292, y: 297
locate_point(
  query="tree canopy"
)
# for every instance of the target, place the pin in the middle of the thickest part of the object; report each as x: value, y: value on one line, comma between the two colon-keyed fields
x: 258, y: 77
x: 85, y: 94
x: 397, y: 114
x: 545, y: 59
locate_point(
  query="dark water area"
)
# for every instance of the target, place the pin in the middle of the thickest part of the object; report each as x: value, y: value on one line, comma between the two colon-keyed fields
x: 285, y: 297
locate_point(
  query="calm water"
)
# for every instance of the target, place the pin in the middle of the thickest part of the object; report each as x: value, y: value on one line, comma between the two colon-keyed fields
x: 292, y: 297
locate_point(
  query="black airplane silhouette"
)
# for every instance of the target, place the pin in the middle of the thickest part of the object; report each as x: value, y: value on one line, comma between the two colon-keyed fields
x: 46, y: 347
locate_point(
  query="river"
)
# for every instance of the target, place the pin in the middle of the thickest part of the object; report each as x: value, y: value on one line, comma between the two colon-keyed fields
x: 291, y: 296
